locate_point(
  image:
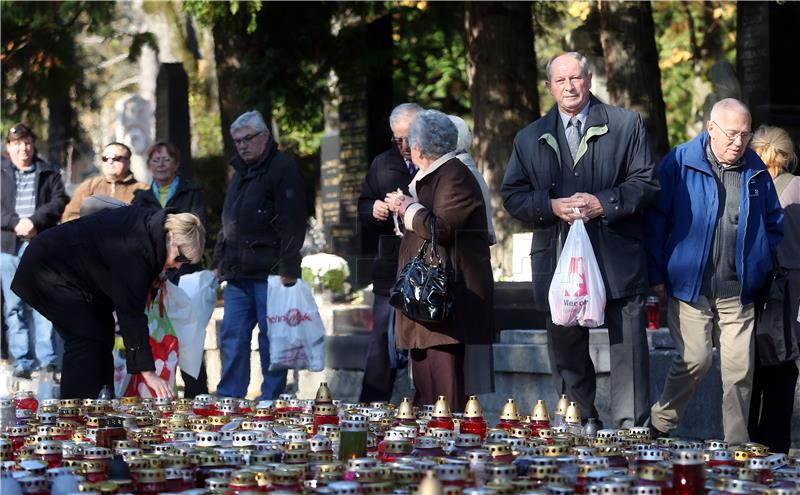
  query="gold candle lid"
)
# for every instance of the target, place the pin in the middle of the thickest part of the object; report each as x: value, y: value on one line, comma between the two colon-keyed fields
x: 323, y: 394
x: 430, y: 485
x: 473, y: 408
x: 405, y: 410
x: 561, y: 407
x: 510, y: 411
x: 442, y: 409
x: 324, y: 409
x: 218, y: 420
x: 151, y: 475
x: 539, y: 412
x: 573, y: 415
x: 243, y: 477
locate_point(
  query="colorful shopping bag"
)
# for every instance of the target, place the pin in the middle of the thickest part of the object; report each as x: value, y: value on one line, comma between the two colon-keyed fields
x: 163, y: 342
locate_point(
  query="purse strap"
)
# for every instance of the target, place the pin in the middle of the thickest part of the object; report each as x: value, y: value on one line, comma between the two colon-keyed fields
x: 434, y: 242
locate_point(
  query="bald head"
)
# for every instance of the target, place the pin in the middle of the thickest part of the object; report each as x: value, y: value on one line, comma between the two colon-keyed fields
x: 728, y: 105
x: 729, y: 130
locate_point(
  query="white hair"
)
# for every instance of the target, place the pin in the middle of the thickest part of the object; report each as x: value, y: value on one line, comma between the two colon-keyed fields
x: 404, y: 111
x: 584, y: 62
x: 252, y: 119
x: 464, y: 134
x: 434, y: 133
x: 729, y: 105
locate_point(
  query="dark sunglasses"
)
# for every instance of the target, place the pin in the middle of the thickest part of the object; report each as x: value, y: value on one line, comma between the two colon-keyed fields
x: 181, y: 258
x: 114, y: 158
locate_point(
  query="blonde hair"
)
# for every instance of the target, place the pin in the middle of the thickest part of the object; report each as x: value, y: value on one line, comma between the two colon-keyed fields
x: 775, y: 148
x: 188, y: 234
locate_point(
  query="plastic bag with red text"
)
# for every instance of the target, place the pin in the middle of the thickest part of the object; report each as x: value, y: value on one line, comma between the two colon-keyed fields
x: 577, y: 294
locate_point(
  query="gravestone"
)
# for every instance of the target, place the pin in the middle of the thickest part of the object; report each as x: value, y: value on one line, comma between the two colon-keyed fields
x: 364, y: 102
x: 330, y: 179
x: 765, y: 43
x: 172, y: 112
x: 132, y: 122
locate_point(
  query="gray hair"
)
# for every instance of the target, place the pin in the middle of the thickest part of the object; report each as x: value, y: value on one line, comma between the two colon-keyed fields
x: 464, y: 134
x: 729, y: 105
x: 404, y: 111
x: 252, y: 119
x: 434, y: 133
x: 577, y: 56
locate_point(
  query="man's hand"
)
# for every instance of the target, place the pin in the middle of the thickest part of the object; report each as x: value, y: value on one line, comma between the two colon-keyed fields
x: 563, y: 208
x: 288, y: 281
x: 660, y: 291
x: 380, y: 210
x: 25, y: 228
x: 159, y: 386
x: 589, y: 205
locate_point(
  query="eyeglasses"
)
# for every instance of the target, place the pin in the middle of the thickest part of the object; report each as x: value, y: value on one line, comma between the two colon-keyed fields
x: 246, y: 139
x: 161, y: 159
x: 400, y: 141
x: 744, y: 135
x: 115, y: 158
x: 181, y: 258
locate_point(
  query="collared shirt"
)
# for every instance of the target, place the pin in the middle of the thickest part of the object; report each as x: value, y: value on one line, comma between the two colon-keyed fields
x: 582, y: 116
x: 26, y: 191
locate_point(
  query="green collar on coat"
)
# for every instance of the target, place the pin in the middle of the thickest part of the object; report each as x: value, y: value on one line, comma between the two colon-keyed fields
x: 596, y: 125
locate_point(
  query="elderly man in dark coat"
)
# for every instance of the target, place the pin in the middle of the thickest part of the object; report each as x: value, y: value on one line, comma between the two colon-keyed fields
x: 445, y: 190
x: 588, y: 155
x: 390, y: 171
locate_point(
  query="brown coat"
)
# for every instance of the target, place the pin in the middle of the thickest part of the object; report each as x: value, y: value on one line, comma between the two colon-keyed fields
x: 99, y: 185
x: 450, y: 193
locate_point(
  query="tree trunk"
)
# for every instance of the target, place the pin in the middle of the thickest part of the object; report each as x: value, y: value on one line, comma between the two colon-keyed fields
x: 501, y: 69
x: 634, y: 78
x: 229, y: 49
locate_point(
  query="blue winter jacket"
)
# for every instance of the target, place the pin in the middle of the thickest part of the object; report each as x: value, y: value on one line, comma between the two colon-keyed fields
x: 680, y: 226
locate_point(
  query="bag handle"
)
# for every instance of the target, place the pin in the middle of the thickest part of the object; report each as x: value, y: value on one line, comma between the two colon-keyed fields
x: 434, y: 242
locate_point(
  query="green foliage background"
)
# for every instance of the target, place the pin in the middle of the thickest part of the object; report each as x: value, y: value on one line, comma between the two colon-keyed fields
x: 291, y: 49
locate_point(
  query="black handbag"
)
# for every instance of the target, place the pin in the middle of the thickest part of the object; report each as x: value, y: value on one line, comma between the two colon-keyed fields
x: 421, y: 291
x: 775, y: 341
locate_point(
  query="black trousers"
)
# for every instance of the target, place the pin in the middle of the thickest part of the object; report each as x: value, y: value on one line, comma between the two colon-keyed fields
x: 193, y: 387
x: 87, y: 327
x: 573, y: 370
x: 378, y: 376
x: 88, y: 333
x: 771, y: 405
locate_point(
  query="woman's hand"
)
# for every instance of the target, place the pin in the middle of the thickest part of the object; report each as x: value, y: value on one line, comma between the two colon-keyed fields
x: 159, y: 386
x: 399, y: 202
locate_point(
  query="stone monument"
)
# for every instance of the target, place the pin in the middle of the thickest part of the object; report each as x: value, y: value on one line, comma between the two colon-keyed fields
x: 132, y: 124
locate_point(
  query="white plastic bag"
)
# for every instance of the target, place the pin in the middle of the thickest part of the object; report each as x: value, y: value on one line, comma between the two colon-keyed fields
x: 577, y: 295
x: 296, y: 333
x: 200, y: 289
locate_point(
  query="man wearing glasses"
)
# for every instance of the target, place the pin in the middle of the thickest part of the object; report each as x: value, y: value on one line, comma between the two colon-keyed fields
x: 390, y: 171
x: 33, y: 198
x: 263, y: 228
x: 116, y: 181
x: 711, y: 239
